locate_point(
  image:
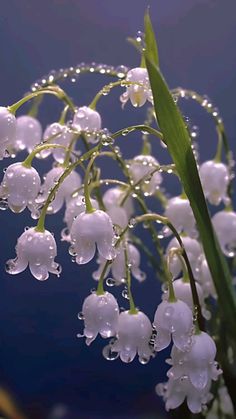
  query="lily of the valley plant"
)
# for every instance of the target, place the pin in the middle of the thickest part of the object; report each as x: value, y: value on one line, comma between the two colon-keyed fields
x: 197, y: 311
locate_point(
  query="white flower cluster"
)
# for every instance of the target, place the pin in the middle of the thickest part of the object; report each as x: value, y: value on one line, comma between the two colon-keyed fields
x: 100, y: 222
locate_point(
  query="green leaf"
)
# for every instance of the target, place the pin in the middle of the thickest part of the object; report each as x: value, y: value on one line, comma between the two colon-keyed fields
x: 150, y: 39
x: 178, y: 142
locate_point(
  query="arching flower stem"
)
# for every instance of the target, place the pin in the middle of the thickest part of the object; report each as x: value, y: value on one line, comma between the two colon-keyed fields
x: 54, y: 90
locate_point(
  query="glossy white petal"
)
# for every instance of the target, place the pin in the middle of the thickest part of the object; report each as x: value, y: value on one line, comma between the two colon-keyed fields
x: 205, y: 279
x: 224, y: 223
x: 215, y: 179
x: 90, y: 229
x: 28, y: 132
x: 183, y: 292
x: 180, y: 214
x: 65, y: 191
x: 113, y: 198
x: 100, y: 314
x: 173, y: 319
x: 74, y: 207
x: 138, y: 94
x: 142, y: 168
x: 134, y: 333
x: 37, y: 250
x: 20, y: 186
x: 88, y: 120
x: 118, y: 268
x: 194, y: 252
x: 7, y: 131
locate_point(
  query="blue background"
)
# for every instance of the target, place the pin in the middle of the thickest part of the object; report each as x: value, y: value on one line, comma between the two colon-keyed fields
x: 41, y: 360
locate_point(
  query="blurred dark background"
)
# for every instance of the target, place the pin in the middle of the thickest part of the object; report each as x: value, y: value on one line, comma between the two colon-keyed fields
x: 41, y: 361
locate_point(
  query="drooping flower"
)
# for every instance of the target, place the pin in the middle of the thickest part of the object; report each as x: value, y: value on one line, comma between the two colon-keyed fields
x: 205, y: 279
x: 56, y: 133
x: 38, y: 250
x: 224, y: 223
x: 194, y: 253
x: 173, y: 319
x: 198, y: 363
x: 180, y: 214
x: 142, y: 169
x: 7, y: 132
x: 183, y: 292
x: 191, y: 374
x: 89, y: 230
x: 88, y: 121
x: 118, y: 267
x: 215, y: 180
x: 66, y: 189
x: 28, y: 133
x: 74, y: 207
x: 113, y: 198
x: 20, y: 186
x: 133, y: 336
x: 174, y: 392
x: 137, y: 93
x: 100, y: 313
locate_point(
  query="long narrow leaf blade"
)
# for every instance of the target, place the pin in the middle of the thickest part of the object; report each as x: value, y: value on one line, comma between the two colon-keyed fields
x: 179, y: 145
x: 150, y: 39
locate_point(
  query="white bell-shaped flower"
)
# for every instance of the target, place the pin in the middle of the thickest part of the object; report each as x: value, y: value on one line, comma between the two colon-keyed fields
x: 133, y: 336
x: 224, y: 223
x: 183, y: 292
x: 194, y: 253
x: 89, y: 230
x: 215, y: 180
x: 65, y: 191
x: 28, y: 133
x: 198, y: 363
x: 38, y: 250
x: 180, y: 214
x: 113, y: 198
x: 118, y: 217
x: 74, y: 207
x: 100, y: 313
x: 118, y: 268
x: 174, y: 393
x: 137, y: 93
x: 205, y: 279
x: 141, y: 169
x: 7, y: 131
x: 88, y: 121
x: 56, y: 133
x: 20, y: 186
x: 173, y: 319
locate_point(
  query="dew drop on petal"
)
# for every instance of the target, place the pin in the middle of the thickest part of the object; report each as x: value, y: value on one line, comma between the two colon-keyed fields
x: 108, y: 354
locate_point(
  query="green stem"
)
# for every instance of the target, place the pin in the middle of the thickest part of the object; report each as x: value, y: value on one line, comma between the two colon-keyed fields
x: 100, y: 289
x: 107, y: 88
x: 143, y: 128
x: 164, y: 220
x: 89, y: 207
x: 218, y: 155
x: 28, y: 161
x: 63, y: 115
x: 56, y: 91
x: 40, y: 225
x: 132, y: 308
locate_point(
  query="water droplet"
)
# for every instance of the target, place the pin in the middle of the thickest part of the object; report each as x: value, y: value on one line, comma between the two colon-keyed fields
x: 143, y: 360
x: 3, y: 205
x: 132, y: 223
x: 108, y: 354
x: 125, y: 294
x: 110, y: 282
x: 80, y: 316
